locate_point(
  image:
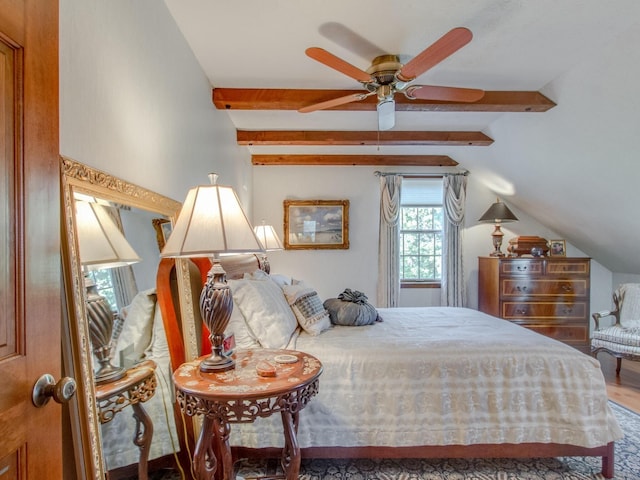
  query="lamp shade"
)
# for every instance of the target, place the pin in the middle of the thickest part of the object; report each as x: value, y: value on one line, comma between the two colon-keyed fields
x: 268, y: 238
x: 211, y: 221
x: 497, y: 213
x: 101, y: 243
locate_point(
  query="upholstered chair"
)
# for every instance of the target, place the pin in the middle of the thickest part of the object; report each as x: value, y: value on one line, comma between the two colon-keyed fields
x: 622, y: 339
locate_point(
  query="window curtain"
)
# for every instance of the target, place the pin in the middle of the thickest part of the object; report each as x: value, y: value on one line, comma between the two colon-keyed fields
x: 389, y: 241
x: 452, y: 293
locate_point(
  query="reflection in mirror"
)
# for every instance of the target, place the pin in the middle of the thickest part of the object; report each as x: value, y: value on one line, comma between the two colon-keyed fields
x: 127, y: 322
x: 105, y: 255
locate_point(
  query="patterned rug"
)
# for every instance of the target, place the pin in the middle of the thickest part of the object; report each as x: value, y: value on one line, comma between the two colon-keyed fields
x: 627, y: 465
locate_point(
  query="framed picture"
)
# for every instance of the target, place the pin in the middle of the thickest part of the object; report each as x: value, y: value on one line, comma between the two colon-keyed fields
x: 316, y: 224
x: 163, y: 229
x: 557, y: 248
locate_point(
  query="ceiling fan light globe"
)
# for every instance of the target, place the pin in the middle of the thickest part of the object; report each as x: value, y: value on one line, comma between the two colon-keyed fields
x: 386, y: 114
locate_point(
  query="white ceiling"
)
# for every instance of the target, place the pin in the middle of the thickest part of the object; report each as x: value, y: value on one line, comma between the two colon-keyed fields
x: 517, y: 45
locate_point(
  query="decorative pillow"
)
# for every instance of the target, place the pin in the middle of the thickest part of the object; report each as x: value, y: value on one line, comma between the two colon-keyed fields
x: 265, y: 310
x: 137, y: 329
x: 351, y: 308
x: 308, y: 309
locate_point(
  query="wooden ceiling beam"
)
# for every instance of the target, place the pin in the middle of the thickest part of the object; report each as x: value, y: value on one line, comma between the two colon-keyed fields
x: 292, y: 99
x: 360, y: 160
x: 315, y: 137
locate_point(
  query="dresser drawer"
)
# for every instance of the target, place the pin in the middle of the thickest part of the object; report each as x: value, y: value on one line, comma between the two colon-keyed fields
x: 577, y: 334
x: 567, y: 267
x: 519, y: 287
x: 551, y: 311
x: 525, y: 266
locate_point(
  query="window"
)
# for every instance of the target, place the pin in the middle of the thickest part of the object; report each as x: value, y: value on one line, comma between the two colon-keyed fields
x: 421, y: 230
x: 104, y: 286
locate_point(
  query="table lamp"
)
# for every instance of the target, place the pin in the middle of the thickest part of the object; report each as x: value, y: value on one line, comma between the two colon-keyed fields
x: 212, y: 222
x: 269, y: 241
x: 102, y: 245
x: 497, y: 214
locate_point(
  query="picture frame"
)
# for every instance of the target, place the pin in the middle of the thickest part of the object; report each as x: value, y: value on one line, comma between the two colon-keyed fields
x: 316, y: 224
x: 557, y: 248
x: 163, y: 228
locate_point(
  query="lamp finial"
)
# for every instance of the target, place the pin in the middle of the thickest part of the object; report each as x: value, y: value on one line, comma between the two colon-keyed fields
x: 213, y: 178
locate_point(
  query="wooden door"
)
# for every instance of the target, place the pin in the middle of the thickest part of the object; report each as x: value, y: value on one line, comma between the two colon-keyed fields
x: 30, y: 437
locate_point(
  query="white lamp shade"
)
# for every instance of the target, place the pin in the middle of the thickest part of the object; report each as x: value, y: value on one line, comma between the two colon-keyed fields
x: 268, y: 238
x: 101, y: 243
x: 211, y: 221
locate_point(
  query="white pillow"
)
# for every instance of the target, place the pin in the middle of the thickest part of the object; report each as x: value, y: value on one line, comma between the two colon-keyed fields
x: 281, y: 280
x: 238, y: 326
x: 138, y: 324
x: 265, y: 310
x: 158, y: 347
x: 308, y: 309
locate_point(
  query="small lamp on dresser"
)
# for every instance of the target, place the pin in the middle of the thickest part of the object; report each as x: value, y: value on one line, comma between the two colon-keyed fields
x: 498, y: 213
x: 210, y: 223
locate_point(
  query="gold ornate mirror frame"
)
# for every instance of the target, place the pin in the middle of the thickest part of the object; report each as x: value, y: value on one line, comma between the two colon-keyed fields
x: 79, y: 178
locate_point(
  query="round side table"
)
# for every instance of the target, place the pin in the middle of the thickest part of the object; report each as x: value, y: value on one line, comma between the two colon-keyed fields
x: 241, y: 395
x: 136, y: 387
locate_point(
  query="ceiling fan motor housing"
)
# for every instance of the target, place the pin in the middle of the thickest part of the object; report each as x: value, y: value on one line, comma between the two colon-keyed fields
x: 384, y: 68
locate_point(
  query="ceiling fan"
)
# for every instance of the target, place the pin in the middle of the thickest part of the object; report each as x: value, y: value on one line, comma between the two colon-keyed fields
x: 387, y: 76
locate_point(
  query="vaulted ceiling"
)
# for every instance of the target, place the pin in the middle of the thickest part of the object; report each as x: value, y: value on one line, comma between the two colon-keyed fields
x: 557, y: 78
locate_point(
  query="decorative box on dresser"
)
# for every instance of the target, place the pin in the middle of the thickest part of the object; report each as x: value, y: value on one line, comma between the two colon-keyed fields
x: 549, y: 295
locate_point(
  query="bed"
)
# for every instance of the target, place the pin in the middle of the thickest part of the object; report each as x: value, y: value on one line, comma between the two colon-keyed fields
x: 433, y: 382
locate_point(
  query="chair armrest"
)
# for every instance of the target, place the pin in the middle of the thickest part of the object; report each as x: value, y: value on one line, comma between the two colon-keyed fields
x: 605, y: 313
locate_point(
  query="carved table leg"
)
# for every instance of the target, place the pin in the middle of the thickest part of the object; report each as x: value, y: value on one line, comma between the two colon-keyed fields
x: 204, y: 459
x: 221, y: 439
x: 291, y: 451
x: 143, y: 436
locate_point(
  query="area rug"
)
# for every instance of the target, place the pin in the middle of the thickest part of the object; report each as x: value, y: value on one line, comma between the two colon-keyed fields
x: 627, y: 465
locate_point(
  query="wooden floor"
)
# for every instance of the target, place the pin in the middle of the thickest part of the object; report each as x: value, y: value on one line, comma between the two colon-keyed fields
x: 625, y: 389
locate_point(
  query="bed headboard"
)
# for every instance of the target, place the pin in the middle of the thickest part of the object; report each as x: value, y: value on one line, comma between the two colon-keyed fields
x: 237, y: 265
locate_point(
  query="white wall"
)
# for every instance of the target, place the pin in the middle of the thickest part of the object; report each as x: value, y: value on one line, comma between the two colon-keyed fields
x: 331, y: 271
x: 135, y: 103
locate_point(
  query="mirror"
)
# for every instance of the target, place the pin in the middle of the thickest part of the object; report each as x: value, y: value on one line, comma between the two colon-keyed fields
x: 145, y: 218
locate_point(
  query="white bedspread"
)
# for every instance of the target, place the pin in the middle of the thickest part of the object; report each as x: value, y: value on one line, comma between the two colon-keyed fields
x: 443, y: 376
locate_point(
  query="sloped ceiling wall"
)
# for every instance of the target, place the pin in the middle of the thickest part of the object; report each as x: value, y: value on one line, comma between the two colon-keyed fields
x: 576, y: 168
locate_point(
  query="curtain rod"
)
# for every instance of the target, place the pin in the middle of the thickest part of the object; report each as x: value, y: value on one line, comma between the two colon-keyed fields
x: 402, y: 174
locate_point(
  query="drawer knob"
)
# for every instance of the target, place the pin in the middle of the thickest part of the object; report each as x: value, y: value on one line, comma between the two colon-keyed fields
x: 521, y: 289
x: 521, y: 311
x: 568, y: 311
x: 522, y: 268
x: 566, y: 288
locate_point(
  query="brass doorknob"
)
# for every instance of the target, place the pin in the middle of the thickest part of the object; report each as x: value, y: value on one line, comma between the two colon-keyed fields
x: 46, y: 388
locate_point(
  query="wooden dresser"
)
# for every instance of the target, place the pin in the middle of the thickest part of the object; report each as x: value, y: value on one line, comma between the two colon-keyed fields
x: 549, y: 294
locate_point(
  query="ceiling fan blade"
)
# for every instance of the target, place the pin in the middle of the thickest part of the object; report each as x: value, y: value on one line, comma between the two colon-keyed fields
x: 446, y: 45
x: 445, y: 94
x: 330, y: 60
x: 335, y: 102
x: 386, y: 114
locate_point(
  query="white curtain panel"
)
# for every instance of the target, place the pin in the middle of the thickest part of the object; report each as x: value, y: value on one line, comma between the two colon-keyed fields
x: 452, y: 293
x: 389, y: 241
